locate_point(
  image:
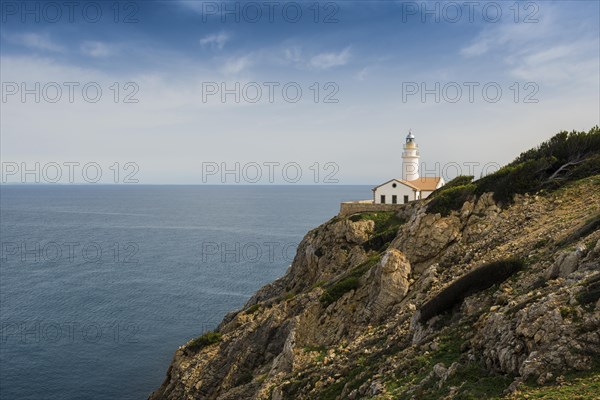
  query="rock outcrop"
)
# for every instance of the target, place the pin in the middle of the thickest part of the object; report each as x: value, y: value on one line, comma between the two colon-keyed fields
x: 343, y: 322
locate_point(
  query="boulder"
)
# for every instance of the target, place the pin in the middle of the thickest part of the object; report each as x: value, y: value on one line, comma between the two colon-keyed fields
x: 388, y: 282
x: 565, y: 263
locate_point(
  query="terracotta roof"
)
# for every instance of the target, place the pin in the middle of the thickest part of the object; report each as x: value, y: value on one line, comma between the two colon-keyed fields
x: 399, y: 181
x: 425, y: 183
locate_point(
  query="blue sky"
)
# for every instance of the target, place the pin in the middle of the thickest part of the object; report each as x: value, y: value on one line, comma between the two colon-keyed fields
x: 367, y: 56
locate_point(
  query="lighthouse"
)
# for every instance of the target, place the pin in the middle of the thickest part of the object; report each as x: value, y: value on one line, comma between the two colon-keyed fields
x: 410, y: 187
x: 410, y: 159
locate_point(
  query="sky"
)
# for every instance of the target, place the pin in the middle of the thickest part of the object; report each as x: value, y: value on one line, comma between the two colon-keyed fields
x: 274, y: 92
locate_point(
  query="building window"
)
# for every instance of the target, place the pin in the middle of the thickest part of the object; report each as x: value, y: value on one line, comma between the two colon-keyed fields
x: 382, y: 199
x: 405, y: 199
x: 394, y: 199
x: 394, y: 185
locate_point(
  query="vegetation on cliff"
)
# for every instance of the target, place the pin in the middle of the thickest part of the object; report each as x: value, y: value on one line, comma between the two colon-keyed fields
x: 566, y: 157
x: 499, y: 301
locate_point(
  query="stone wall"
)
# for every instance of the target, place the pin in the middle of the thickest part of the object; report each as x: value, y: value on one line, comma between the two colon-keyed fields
x: 353, y: 207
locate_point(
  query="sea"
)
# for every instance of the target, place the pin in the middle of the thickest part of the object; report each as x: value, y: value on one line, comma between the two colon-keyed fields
x: 99, y: 285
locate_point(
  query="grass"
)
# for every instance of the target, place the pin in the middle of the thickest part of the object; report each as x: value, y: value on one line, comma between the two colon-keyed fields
x: 577, y: 385
x: 338, y: 289
x: 350, y: 281
x: 420, y: 366
x: 320, y: 350
x: 354, y: 378
x: 579, y: 389
x: 474, y: 381
x: 478, y: 384
x: 205, y: 340
x: 252, y: 309
x: 386, y: 228
x: 383, y: 220
x: 289, y: 296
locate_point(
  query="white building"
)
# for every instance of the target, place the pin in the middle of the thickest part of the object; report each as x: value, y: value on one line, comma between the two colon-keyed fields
x: 411, y: 186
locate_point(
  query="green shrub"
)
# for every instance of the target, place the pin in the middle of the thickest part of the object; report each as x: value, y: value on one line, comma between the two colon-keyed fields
x: 338, y: 289
x: 450, y: 199
x: 589, y: 167
x: 205, y: 340
x: 384, y: 220
x: 252, y: 309
x: 460, y: 180
x: 362, y: 268
x: 349, y: 281
x: 566, y: 157
x: 386, y: 228
x: 380, y: 241
x: 244, y: 378
x: 472, y: 282
x: 520, y: 178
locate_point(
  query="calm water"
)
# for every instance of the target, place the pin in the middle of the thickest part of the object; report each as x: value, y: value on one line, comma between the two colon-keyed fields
x: 100, y: 284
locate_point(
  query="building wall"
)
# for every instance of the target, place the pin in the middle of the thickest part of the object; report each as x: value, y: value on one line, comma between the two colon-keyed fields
x: 410, y: 168
x: 354, y: 207
x: 410, y: 162
x: 400, y: 190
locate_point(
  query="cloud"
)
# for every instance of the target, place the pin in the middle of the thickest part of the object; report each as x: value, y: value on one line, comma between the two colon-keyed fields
x: 479, y: 47
x: 292, y: 55
x: 362, y: 74
x: 215, y: 40
x: 36, y: 41
x: 195, y: 5
x: 330, y: 60
x: 237, y: 64
x: 554, y: 51
x: 96, y: 49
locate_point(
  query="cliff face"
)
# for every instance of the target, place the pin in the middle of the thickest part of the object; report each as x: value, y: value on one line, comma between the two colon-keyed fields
x: 346, y: 319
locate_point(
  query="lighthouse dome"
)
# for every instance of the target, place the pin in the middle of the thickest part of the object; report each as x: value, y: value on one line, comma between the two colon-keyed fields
x: 410, y: 137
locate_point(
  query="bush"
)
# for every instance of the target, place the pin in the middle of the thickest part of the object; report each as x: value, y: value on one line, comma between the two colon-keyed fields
x: 451, y: 199
x: 384, y: 220
x: 338, y: 289
x: 252, y: 309
x: 244, y: 378
x: 205, y: 340
x: 460, y: 180
x: 589, y: 167
x: 475, y: 281
x: 566, y: 157
x: 386, y: 228
x: 521, y: 178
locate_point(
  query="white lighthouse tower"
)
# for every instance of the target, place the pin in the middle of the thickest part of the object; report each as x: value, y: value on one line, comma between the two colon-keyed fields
x: 410, y: 159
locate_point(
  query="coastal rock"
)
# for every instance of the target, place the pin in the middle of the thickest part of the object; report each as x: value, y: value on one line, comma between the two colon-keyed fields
x: 389, y: 282
x: 427, y: 236
x: 344, y: 321
x: 566, y: 263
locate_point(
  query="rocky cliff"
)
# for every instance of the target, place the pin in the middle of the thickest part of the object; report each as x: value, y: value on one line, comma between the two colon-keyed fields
x: 488, y: 299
